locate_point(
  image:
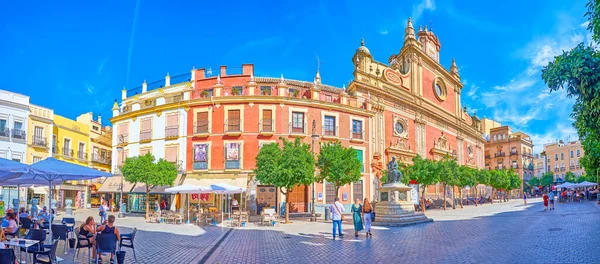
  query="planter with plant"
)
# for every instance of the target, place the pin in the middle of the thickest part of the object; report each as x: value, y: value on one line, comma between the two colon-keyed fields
x: 236, y: 91
x: 204, y: 94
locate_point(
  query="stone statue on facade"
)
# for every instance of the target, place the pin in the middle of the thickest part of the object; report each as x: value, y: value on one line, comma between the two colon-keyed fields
x: 394, y: 174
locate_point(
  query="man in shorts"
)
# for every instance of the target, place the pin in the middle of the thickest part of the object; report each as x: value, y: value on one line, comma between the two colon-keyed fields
x: 551, y: 198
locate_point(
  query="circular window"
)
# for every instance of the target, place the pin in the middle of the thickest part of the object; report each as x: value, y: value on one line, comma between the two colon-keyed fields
x: 399, y: 128
x: 440, y: 89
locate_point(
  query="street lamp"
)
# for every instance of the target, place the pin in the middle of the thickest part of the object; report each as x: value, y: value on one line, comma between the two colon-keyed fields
x: 122, y: 152
x: 455, y: 157
x: 314, y: 137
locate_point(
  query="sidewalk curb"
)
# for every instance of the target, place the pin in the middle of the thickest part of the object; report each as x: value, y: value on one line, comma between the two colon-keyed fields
x: 207, y: 255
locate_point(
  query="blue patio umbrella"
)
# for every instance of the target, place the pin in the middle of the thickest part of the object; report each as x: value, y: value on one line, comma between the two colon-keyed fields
x: 52, y: 171
x: 11, y: 169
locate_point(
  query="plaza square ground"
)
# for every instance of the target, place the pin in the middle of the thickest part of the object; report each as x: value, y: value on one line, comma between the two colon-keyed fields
x: 499, y: 233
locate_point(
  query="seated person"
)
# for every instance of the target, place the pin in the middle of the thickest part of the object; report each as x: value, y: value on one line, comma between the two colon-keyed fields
x: 88, y: 230
x: 108, y: 227
x: 12, y: 223
x: 44, y: 217
x: 23, y: 213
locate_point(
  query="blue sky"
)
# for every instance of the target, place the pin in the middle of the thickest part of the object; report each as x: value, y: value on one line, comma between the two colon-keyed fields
x: 75, y: 56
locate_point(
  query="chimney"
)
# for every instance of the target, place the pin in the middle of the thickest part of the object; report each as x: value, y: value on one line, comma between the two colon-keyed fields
x: 247, y: 69
x: 144, y: 87
x: 200, y: 74
x: 100, y: 119
x: 223, y: 71
x: 167, y: 80
x: 123, y: 93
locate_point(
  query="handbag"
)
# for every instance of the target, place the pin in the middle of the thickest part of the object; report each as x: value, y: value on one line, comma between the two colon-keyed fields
x: 338, y: 209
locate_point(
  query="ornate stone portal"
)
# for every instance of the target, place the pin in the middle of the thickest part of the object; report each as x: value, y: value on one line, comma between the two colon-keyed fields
x: 395, y: 207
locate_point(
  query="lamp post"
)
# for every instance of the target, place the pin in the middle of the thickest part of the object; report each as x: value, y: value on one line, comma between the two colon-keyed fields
x: 121, y: 152
x: 455, y: 157
x: 314, y: 137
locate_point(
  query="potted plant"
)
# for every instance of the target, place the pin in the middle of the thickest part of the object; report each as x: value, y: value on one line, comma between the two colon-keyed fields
x: 235, y: 91
x: 266, y: 92
x: 204, y: 94
x: 296, y: 93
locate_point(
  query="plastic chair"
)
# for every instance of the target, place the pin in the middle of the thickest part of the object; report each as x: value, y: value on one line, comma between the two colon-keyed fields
x: 15, y: 234
x: 60, y: 232
x: 7, y: 255
x: 106, y: 243
x: 26, y: 223
x: 69, y: 220
x: 47, y: 256
x: 37, y: 235
x: 127, y: 241
x: 79, y: 245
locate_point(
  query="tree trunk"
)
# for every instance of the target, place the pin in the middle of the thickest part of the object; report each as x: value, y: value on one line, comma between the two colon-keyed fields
x: 492, y: 196
x: 147, y: 201
x: 453, y: 197
x: 461, y: 200
x: 476, y: 196
x: 423, y: 207
x: 287, y: 206
x: 445, y: 197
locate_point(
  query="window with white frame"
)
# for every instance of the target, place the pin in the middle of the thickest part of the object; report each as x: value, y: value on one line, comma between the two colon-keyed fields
x: 329, y: 128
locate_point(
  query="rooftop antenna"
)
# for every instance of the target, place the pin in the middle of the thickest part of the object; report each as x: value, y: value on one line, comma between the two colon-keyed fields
x: 430, y: 26
x: 318, y: 62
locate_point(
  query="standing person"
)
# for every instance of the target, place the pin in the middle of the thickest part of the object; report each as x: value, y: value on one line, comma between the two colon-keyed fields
x: 367, y: 211
x: 336, y: 210
x: 357, y: 216
x: 102, y: 212
x: 551, y: 198
x: 545, y: 197
x: 525, y: 198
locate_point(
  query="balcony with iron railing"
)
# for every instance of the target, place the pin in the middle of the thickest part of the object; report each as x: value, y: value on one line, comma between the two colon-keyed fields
x: 123, y: 139
x: 146, y: 135
x: 572, y: 167
x: 172, y: 131
x: 562, y: 168
x: 202, y: 127
x: 329, y: 132
x: 357, y: 135
x: 514, y: 152
x: 39, y: 141
x: 101, y: 159
x: 499, y: 154
x: 67, y: 152
x: 54, y: 150
x: 18, y: 134
x: 266, y: 126
x: 297, y: 128
x: 487, y: 156
x: 5, y: 132
x: 515, y: 166
x: 82, y: 155
x: 233, y: 127
x: 556, y: 169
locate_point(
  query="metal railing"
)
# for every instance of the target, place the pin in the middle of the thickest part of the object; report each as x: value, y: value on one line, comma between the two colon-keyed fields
x: 330, y: 131
x: 172, y: 131
x: 514, y: 152
x: 298, y: 128
x: 82, y: 155
x: 18, y: 134
x: 487, y: 156
x: 266, y: 125
x: 233, y: 125
x: 124, y: 137
x: 67, y: 152
x: 39, y: 141
x: 54, y: 150
x: 5, y: 132
x: 556, y: 169
x: 356, y: 134
x: 101, y: 159
x: 499, y: 154
x: 174, y: 99
x: 562, y: 169
x: 572, y: 167
x: 201, y: 127
x: 146, y: 135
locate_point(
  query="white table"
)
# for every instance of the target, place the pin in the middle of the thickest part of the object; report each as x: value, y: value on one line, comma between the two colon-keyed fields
x: 27, y: 244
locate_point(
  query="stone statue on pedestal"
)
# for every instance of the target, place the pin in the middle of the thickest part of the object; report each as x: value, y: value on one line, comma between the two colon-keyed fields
x: 394, y: 175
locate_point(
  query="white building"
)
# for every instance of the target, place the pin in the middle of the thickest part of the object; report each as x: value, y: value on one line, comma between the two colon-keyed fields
x: 14, y: 114
x: 156, y: 122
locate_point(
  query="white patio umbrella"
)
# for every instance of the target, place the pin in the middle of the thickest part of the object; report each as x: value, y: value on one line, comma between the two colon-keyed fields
x: 586, y: 184
x: 224, y: 188
x: 187, y: 189
x: 566, y: 185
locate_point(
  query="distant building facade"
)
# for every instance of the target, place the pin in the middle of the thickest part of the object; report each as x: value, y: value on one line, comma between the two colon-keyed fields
x: 507, y: 150
x: 563, y: 157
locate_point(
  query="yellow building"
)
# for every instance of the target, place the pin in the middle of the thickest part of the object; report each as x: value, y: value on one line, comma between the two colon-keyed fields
x: 563, y: 157
x: 40, y: 129
x: 71, y: 141
x: 100, y: 142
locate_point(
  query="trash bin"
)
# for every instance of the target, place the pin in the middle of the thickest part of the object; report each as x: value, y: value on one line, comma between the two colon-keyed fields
x: 326, y: 213
x: 72, y: 242
x: 120, y: 257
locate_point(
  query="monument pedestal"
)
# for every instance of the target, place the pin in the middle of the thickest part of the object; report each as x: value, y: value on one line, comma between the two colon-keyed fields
x: 395, y: 207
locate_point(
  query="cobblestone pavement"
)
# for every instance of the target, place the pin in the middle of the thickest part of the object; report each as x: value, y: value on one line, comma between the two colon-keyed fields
x: 500, y: 233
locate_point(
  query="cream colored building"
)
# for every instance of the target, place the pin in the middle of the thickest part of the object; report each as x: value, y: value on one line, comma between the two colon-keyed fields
x: 563, y: 157
x: 487, y: 124
x: 39, y: 141
x: 100, y: 142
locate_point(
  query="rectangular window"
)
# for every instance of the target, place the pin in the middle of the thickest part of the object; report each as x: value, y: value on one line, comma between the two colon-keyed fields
x: 36, y: 159
x: 556, y: 156
x: 571, y: 154
x: 357, y: 131
x: 562, y: 156
x: 357, y: 190
x: 3, y: 129
x: 123, y: 133
x: 171, y: 154
x: 18, y: 131
x: 96, y: 154
x: 359, y: 155
x: 145, y: 151
x: 201, y: 125
x: 329, y: 126
x: 232, y: 156
x: 67, y: 147
x: 330, y: 193
x: 265, y: 90
x: 328, y: 98
x: 298, y: 122
x: 578, y: 153
x: 81, y: 151
x: 200, y: 156
x: 95, y: 128
x: 267, y: 122
x: 38, y: 136
x: 172, y: 129
x: 146, y: 129
x: 233, y: 120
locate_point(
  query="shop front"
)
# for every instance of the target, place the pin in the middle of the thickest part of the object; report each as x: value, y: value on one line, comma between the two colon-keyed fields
x: 136, y: 199
x: 110, y: 191
x: 77, y: 193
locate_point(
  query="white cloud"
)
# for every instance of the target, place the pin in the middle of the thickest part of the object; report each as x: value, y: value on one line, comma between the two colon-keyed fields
x: 424, y: 5
x: 585, y: 24
x: 89, y: 88
x: 561, y: 132
x: 473, y: 91
x: 383, y: 32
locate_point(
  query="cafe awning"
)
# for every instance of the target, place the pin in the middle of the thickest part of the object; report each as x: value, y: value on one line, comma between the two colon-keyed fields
x: 141, y: 187
x: 40, y: 190
x: 241, y: 182
x: 113, y: 185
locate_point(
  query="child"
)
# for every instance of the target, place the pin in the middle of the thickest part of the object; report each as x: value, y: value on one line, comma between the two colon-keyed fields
x: 545, y: 197
x: 525, y: 198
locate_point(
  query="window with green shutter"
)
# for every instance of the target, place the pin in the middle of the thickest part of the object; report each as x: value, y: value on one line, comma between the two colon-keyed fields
x: 359, y: 154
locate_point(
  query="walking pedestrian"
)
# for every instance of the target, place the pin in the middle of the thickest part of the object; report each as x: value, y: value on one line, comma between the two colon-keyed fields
x: 367, y: 216
x: 336, y: 209
x: 525, y: 198
x: 551, y: 198
x: 545, y: 197
x: 357, y: 216
x: 102, y: 212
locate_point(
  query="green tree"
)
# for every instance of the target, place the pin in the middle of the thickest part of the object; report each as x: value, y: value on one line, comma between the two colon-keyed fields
x: 424, y: 172
x: 483, y: 177
x: 547, y: 179
x: 576, y: 71
x: 499, y: 180
x: 338, y: 165
x: 448, y: 170
x: 466, y: 177
x: 570, y: 177
x: 534, y: 182
x: 144, y: 169
x: 285, y: 167
x: 514, y: 181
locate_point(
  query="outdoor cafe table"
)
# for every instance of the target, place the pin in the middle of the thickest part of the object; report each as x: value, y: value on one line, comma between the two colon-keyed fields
x: 17, y: 243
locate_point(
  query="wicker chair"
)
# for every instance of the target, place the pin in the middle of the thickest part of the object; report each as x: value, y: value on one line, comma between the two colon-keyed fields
x: 170, y: 217
x: 178, y: 218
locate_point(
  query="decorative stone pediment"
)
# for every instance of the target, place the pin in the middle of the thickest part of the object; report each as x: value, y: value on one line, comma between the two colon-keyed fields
x: 401, y: 150
x: 441, y: 147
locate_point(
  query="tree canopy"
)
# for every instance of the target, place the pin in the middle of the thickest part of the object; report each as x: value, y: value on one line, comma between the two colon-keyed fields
x: 285, y: 167
x: 338, y: 165
x: 570, y: 177
x: 547, y: 179
x: 534, y: 182
x: 423, y: 171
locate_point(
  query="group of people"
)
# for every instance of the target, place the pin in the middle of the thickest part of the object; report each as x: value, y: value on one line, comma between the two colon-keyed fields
x: 575, y: 195
x: 362, y: 216
x: 89, y: 230
x: 548, y: 199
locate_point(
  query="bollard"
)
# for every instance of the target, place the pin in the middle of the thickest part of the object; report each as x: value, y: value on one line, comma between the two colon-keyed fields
x: 326, y: 213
